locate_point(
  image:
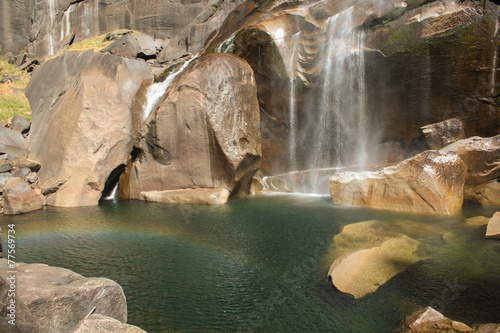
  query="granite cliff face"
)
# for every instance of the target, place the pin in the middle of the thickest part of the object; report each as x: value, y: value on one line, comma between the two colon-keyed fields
x: 41, y: 27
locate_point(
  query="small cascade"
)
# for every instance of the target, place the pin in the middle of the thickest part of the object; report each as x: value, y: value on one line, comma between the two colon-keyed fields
x: 157, y: 90
x: 52, y: 16
x: 112, y: 195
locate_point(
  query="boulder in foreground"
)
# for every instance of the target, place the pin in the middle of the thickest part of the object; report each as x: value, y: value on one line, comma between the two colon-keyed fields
x: 57, y: 300
x: 429, y: 320
x: 431, y: 182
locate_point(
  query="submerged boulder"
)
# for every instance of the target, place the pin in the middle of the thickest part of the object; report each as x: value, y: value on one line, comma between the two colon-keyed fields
x: 57, y: 299
x: 431, y: 182
x: 196, y: 196
x: 86, y: 107
x: 364, y: 271
x: 18, y: 197
x: 204, y: 133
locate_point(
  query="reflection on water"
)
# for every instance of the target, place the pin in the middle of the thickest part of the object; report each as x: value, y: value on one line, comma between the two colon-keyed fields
x: 259, y: 264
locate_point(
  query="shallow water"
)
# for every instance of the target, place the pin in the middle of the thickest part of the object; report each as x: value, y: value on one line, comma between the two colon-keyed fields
x: 259, y: 264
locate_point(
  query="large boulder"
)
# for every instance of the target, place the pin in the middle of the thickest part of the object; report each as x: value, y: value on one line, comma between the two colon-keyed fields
x: 442, y: 134
x: 132, y: 46
x: 204, y: 133
x: 431, y: 182
x: 86, y: 108
x: 58, y: 300
x: 18, y: 197
x: 12, y: 143
x: 482, y: 156
x: 487, y: 194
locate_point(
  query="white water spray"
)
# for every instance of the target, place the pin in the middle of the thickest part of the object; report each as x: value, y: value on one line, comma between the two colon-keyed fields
x: 293, y: 105
x: 157, y: 90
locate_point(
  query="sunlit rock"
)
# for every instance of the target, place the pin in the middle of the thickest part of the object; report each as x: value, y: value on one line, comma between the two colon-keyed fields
x: 429, y: 320
x: 487, y: 194
x: 443, y: 133
x: 18, y: 197
x: 197, y: 196
x: 493, y: 229
x: 364, y: 271
x: 204, y: 133
x: 132, y: 46
x: 57, y: 300
x: 98, y: 323
x: 482, y: 156
x: 86, y: 108
x: 431, y: 182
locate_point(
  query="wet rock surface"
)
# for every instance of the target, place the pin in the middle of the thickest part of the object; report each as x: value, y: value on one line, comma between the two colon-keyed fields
x: 431, y: 182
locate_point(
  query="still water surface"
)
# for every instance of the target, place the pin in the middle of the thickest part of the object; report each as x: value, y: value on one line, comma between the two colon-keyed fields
x: 259, y: 265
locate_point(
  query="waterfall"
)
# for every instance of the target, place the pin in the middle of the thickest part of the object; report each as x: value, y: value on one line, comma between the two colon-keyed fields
x: 112, y: 195
x: 340, y: 134
x: 293, y: 105
x: 157, y: 90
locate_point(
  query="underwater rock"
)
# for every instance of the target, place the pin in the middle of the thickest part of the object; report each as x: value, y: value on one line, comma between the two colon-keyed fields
x: 204, y: 132
x: 18, y: 197
x: 197, y: 196
x: 431, y: 182
x: 58, y: 299
x: 443, y: 133
x: 493, y: 229
x: 86, y: 108
x: 364, y: 271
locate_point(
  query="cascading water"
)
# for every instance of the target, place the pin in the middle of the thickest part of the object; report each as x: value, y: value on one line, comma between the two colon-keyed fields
x: 340, y: 136
x: 157, y: 90
x: 52, y: 16
x: 293, y: 105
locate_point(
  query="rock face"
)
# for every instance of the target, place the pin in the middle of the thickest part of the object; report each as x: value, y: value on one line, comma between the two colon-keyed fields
x: 204, y: 133
x: 431, y: 182
x: 493, y: 229
x: 19, y: 197
x: 487, y: 194
x: 58, y: 300
x: 199, y: 196
x: 42, y: 27
x: 86, y: 108
x: 444, y: 133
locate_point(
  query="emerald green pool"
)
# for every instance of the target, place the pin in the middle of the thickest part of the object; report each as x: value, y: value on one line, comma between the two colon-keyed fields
x: 258, y: 264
